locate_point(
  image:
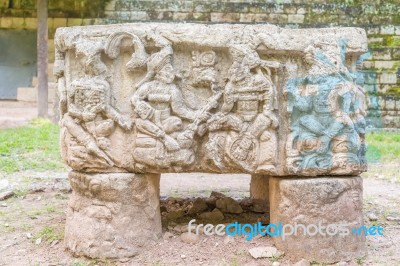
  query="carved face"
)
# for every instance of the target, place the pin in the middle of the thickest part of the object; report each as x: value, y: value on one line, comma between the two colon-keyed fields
x: 204, y: 75
x: 238, y: 71
x: 166, y: 74
x: 87, y: 99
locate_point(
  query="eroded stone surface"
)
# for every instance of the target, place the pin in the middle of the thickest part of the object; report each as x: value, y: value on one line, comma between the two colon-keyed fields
x: 319, y: 201
x: 258, y: 99
x: 213, y: 98
x: 112, y: 215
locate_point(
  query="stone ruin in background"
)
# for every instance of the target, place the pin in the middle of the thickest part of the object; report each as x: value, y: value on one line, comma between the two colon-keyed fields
x: 284, y: 105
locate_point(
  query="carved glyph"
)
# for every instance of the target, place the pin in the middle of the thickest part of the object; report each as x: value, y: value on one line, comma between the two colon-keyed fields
x: 213, y: 98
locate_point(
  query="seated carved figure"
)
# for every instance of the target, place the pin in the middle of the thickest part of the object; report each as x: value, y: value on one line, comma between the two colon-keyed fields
x: 89, y: 120
x: 160, y: 108
x: 247, y: 112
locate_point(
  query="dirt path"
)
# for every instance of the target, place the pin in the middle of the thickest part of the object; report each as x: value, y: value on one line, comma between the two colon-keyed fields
x: 37, y: 212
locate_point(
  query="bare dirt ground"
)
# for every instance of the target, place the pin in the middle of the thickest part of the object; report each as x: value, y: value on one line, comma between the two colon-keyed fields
x: 32, y: 223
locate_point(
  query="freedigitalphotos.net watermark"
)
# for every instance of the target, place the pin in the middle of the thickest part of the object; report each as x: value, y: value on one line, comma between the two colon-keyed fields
x: 282, y: 230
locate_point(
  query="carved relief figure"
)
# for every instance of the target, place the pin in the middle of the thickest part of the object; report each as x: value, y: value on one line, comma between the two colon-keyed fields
x: 247, y: 114
x: 324, y: 106
x: 160, y: 108
x: 90, y: 119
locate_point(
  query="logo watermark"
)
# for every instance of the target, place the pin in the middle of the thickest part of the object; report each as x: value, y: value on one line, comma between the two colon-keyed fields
x: 282, y: 230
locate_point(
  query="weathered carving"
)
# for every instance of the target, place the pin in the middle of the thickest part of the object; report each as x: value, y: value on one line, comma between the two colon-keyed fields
x: 326, y: 106
x: 181, y: 101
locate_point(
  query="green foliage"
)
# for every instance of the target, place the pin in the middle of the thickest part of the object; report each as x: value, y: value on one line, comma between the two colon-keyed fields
x: 383, y: 146
x: 32, y: 147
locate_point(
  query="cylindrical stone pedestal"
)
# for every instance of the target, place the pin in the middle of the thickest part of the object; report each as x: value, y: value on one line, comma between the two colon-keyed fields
x: 112, y: 215
x: 323, y: 203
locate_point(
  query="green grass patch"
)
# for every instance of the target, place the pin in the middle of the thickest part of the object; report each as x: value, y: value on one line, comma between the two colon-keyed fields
x: 383, y: 147
x: 49, y: 234
x: 33, y: 147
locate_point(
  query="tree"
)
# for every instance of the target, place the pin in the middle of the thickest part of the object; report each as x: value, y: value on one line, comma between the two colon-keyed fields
x: 42, y: 34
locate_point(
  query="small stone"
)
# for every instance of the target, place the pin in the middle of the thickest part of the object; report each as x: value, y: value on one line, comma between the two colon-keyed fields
x: 3, y: 184
x: 177, y: 229
x: 53, y: 243
x: 229, y: 239
x: 372, y: 217
x: 174, y: 215
x: 265, y: 252
x: 184, y: 228
x: 302, y: 262
x: 167, y: 235
x: 342, y: 263
x: 4, y: 205
x: 229, y: 205
x: 276, y: 263
x: 28, y: 235
x: 183, y: 256
x: 6, y: 225
x: 217, y: 195
x: 189, y: 238
x: 390, y: 218
x: 38, y: 241
x: 214, y: 216
x: 6, y: 194
x: 199, y: 205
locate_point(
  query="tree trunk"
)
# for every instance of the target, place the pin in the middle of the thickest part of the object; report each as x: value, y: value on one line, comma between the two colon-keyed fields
x: 42, y: 58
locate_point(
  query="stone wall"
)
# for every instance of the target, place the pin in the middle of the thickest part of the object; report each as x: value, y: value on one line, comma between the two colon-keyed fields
x: 379, y: 18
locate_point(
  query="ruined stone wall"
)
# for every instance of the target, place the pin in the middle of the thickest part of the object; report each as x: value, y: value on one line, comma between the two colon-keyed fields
x: 380, y: 18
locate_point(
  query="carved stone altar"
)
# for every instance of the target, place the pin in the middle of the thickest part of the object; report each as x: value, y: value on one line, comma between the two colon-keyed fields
x: 141, y: 99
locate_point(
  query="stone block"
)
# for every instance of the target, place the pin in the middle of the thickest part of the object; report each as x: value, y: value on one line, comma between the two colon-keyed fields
x: 249, y: 17
x: 59, y: 22
x: 387, y: 30
x: 297, y: 19
x: 27, y: 94
x: 396, y: 53
x: 30, y: 23
x: 18, y: 23
x: 301, y: 11
x: 138, y: 15
x: 397, y: 30
x: 6, y: 22
x: 202, y: 108
x: 388, y: 78
x: 30, y: 94
x: 180, y: 16
x: 385, y: 64
x: 390, y: 104
x: 114, y: 215
x: 74, y: 22
x: 382, y: 54
x: 224, y: 17
x: 328, y: 208
x: 261, y: 17
x: 277, y: 18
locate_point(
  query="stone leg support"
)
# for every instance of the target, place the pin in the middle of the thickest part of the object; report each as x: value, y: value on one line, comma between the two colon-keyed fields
x: 259, y: 187
x: 319, y: 200
x: 112, y: 215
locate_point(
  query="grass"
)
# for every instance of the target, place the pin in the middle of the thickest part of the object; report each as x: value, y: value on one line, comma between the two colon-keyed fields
x: 383, y: 147
x: 49, y: 234
x: 33, y: 147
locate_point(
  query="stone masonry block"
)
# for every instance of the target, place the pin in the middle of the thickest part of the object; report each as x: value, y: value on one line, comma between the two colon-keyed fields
x: 388, y: 78
x: 328, y: 208
x: 295, y: 18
